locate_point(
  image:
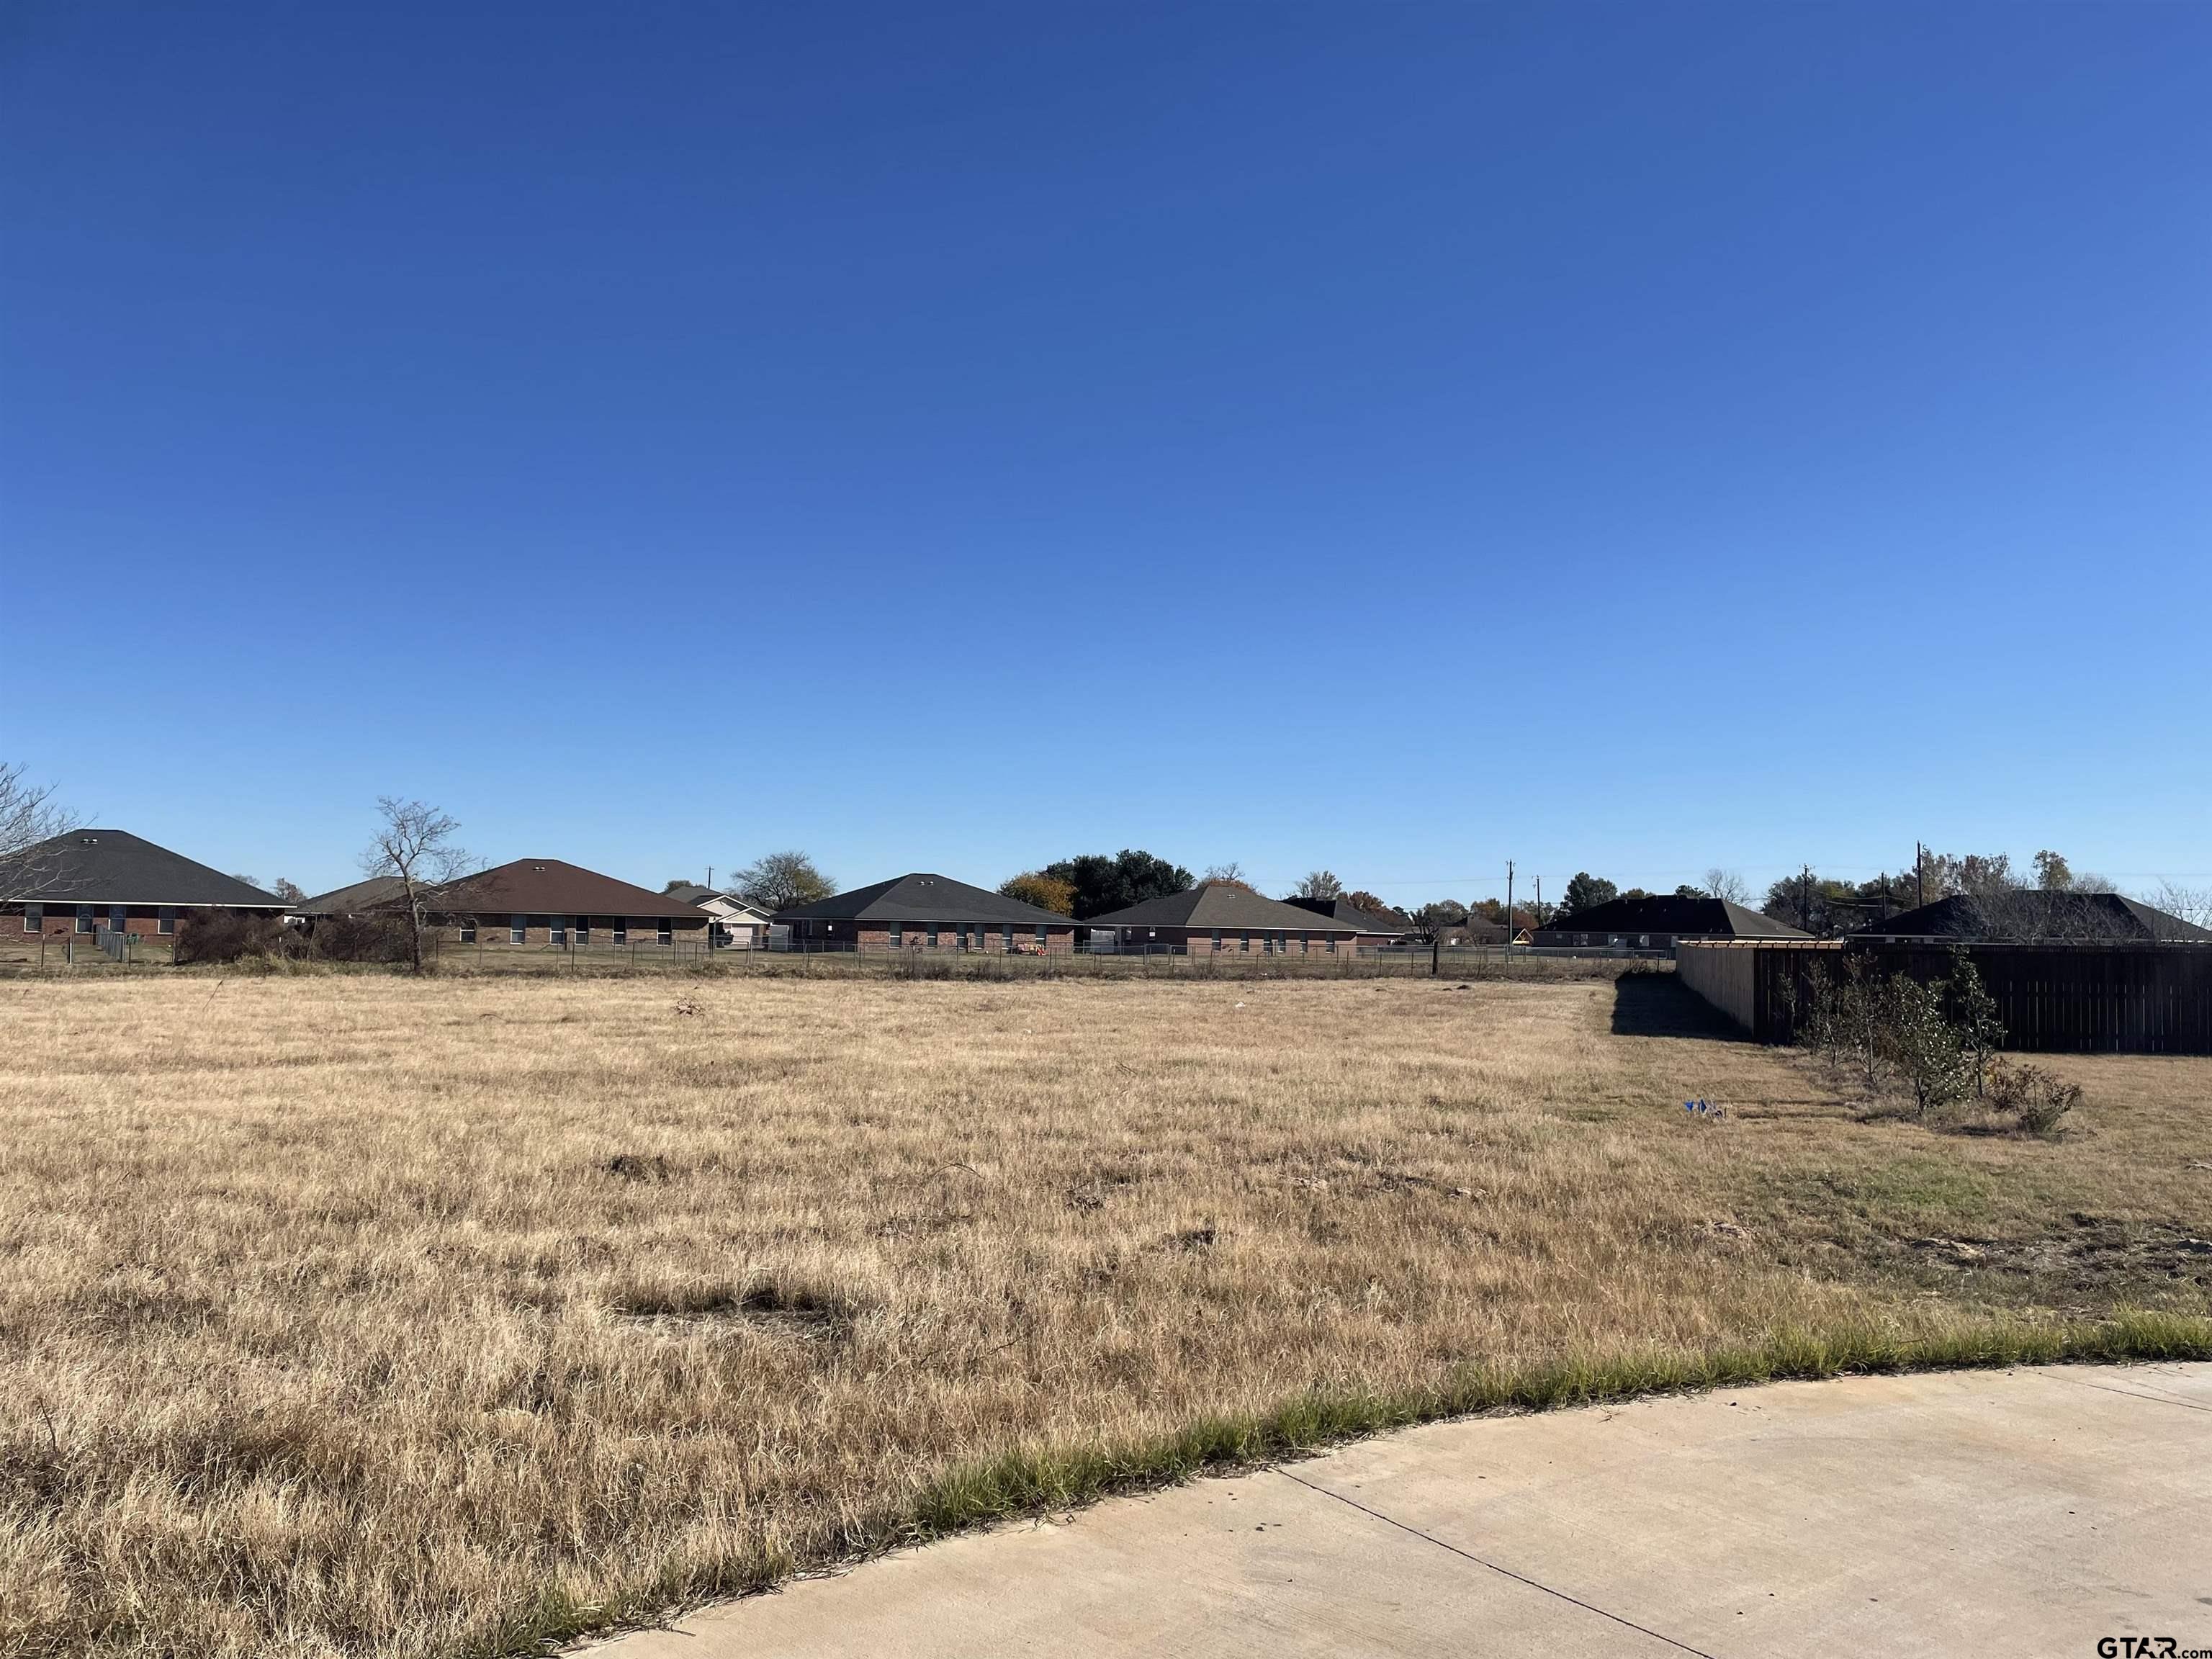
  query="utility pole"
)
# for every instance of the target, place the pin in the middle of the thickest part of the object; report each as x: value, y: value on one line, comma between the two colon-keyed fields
x: 1540, y: 901
x: 1805, y: 898
x: 1509, y: 913
x: 1919, y: 874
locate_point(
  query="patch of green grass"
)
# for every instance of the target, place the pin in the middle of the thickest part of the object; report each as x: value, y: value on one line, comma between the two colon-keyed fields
x: 1042, y: 1477
x: 1925, y: 1191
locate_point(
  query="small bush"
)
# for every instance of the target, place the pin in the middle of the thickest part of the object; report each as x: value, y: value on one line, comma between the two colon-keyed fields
x: 2038, y: 1099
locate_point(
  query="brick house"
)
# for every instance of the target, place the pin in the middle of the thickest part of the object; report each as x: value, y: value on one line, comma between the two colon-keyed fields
x: 544, y: 902
x: 922, y: 912
x: 90, y: 882
x: 1218, y: 919
x: 739, y: 922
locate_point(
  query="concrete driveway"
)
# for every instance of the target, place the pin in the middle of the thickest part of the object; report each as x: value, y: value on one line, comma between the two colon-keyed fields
x: 2032, y: 1512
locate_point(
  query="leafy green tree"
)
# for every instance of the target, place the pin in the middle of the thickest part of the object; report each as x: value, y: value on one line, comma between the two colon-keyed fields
x: 1586, y: 892
x: 2052, y: 872
x: 1045, y: 892
x: 1104, y: 884
x: 1437, y: 918
x: 782, y: 881
x: 1926, y: 1046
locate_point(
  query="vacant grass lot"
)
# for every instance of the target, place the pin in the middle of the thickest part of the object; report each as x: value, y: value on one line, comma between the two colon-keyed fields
x: 364, y: 1315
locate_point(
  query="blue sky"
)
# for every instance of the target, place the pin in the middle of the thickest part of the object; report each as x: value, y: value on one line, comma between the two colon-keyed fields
x: 1392, y: 438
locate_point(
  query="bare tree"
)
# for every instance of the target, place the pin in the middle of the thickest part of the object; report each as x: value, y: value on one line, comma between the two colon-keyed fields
x: 2192, y: 904
x: 1231, y: 874
x: 415, y: 845
x: 1727, y: 884
x: 28, y: 819
x: 782, y: 881
x: 1320, y: 884
x: 287, y: 890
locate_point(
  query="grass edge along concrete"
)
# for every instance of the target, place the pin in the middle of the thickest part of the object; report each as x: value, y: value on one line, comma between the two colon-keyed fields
x: 1031, y: 1479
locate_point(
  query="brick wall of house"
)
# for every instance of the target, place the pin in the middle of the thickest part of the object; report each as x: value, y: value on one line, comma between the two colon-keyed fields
x: 1199, y: 941
x: 643, y: 931
x: 874, y: 936
x: 60, y: 921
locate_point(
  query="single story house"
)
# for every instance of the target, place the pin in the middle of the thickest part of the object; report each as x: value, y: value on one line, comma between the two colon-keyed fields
x: 739, y: 922
x: 924, y: 912
x: 95, y: 881
x: 1374, y: 929
x: 546, y: 902
x: 2034, y: 916
x: 1656, y: 923
x: 1220, y: 919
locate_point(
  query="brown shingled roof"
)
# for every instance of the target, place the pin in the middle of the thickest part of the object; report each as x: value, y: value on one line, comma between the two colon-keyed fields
x: 550, y: 887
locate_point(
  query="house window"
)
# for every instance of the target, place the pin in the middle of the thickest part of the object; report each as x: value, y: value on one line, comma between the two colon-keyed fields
x: 1244, y: 941
x: 932, y: 936
x: 668, y: 932
x: 621, y: 930
x: 1331, y: 944
x: 468, y: 931
x: 1007, y: 937
x: 34, y: 918
x: 583, y: 930
x: 84, y: 918
x: 1305, y: 944
x: 117, y: 915
x: 518, y: 929
x: 1217, y: 938
x: 557, y: 930
x: 1041, y: 935
x: 898, y: 935
x: 167, y: 919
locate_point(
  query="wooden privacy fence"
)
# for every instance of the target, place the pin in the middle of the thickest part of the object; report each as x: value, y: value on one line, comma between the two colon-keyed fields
x: 2053, y: 999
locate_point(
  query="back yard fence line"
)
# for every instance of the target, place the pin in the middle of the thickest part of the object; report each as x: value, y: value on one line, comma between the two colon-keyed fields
x: 949, y: 960
x: 2053, y: 999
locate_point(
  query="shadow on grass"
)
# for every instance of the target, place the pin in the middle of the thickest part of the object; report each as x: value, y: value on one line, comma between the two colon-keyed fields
x: 1661, y: 1006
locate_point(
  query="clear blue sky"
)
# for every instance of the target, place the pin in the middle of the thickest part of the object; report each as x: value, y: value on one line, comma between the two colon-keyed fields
x: 1394, y: 438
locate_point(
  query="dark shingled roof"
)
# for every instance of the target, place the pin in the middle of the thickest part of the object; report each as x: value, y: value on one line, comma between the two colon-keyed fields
x: 1668, y: 913
x: 113, y: 866
x: 2032, y: 915
x: 1343, y: 910
x: 549, y: 887
x: 1217, y: 904
x: 921, y: 898
x: 362, y: 896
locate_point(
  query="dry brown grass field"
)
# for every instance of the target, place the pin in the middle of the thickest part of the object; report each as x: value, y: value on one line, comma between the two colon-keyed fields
x: 365, y: 1315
